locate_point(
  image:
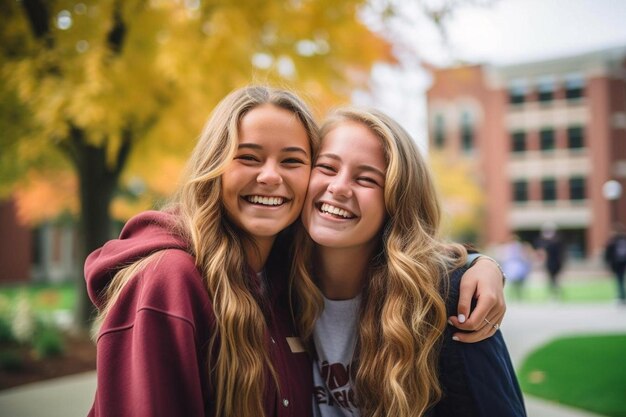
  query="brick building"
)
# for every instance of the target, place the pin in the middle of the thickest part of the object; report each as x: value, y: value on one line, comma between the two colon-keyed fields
x: 45, y: 253
x: 543, y: 138
x: 15, y: 246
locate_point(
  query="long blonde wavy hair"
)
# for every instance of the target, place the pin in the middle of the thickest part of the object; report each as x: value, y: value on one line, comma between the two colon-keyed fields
x: 403, y: 313
x: 218, y: 246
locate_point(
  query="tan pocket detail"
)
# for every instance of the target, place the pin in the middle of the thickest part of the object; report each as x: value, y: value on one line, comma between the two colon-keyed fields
x: 295, y: 344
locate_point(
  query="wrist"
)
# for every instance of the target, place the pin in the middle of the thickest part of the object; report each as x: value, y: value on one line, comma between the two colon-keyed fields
x: 473, y: 258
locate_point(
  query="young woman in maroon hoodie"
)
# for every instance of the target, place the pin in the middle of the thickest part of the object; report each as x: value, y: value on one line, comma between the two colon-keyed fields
x: 196, y: 307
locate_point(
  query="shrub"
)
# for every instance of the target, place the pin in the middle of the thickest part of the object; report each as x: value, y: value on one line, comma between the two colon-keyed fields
x: 6, y: 335
x: 23, y: 325
x: 11, y: 361
x: 47, y: 341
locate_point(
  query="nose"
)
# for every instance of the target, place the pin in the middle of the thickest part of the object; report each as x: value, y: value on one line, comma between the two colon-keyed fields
x: 340, y: 187
x: 269, y: 175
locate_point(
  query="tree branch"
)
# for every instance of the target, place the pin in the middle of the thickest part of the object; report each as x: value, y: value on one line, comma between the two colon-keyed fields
x: 69, y: 151
x: 116, y: 36
x: 73, y: 147
x: 124, y: 151
x: 39, y: 18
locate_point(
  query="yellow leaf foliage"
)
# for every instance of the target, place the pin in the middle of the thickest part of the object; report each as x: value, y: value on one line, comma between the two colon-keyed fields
x: 177, y: 60
x: 461, y: 195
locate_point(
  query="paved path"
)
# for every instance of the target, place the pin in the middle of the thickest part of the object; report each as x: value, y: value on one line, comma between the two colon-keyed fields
x: 525, y: 327
x: 69, y: 396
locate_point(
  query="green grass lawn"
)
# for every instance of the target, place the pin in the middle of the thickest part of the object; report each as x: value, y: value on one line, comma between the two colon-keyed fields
x: 44, y: 298
x: 593, y: 290
x: 587, y: 372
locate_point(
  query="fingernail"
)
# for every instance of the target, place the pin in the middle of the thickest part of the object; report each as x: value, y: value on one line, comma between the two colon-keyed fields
x: 461, y: 318
x: 450, y: 323
x: 456, y: 339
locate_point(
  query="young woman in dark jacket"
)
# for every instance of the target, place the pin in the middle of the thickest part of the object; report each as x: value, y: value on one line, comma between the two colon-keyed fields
x: 389, y: 281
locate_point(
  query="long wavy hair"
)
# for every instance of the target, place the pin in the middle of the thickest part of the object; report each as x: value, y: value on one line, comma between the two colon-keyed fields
x: 403, y: 313
x: 238, y: 348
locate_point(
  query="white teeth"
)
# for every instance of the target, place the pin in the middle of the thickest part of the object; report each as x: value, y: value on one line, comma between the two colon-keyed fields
x: 266, y: 201
x: 327, y: 208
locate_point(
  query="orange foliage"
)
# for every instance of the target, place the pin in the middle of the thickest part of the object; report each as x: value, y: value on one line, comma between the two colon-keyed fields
x: 44, y: 195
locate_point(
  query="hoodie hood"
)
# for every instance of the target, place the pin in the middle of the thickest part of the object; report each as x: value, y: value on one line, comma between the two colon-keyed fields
x: 144, y: 234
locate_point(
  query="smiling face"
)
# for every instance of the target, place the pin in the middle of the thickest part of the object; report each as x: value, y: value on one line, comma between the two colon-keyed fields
x: 264, y: 186
x: 345, y: 205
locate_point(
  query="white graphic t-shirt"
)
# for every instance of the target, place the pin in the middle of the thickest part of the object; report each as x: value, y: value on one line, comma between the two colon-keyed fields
x: 335, y: 337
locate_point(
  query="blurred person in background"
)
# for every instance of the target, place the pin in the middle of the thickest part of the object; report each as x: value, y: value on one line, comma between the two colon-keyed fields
x: 516, y: 258
x: 615, y: 258
x: 551, y: 252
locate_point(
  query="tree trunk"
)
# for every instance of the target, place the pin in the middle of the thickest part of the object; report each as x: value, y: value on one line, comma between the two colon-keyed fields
x: 97, y: 185
x: 97, y: 179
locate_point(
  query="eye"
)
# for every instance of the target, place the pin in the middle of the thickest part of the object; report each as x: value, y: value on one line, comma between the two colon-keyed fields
x: 247, y: 158
x: 367, y: 181
x: 294, y: 161
x: 325, y: 168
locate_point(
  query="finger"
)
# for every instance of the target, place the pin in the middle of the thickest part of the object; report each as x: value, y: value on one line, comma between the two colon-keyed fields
x: 485, y: 305
x: 467, y: 289
x: 496, y: 312
x: 486, y: 331
x: 454, y: 321
x: 471, y: 337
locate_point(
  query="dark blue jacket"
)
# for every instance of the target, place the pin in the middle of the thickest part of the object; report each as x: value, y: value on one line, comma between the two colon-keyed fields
x: 478, y: 379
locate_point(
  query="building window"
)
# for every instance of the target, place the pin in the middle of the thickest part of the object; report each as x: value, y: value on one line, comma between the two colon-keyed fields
x: 546, y: 139
x: 517, y: 91
x: 440, y: 132
x: 467, y: 132
x: 520, y: 191
x: 518, y: 141
x: 575, y: 137
x: 577, y: 188
x: 545, y: 89
x: 574, y: 86
x: 548, y: 189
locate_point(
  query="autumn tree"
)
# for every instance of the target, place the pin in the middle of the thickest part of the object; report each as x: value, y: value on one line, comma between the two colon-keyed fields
x: 461, y: 194
x: 115, y: 88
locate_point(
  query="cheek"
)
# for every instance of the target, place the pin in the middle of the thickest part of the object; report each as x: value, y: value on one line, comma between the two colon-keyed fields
x: 229, y: 180
x: 316, y: 184
x: 377, y: 201
x: 301, y: 184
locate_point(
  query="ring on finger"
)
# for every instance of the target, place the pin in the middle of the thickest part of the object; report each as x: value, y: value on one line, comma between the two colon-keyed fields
x: 494, y: 325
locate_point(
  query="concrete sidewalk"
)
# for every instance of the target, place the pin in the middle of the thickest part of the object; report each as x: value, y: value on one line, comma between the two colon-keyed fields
x: 526, y: 326
x: 69, y: 396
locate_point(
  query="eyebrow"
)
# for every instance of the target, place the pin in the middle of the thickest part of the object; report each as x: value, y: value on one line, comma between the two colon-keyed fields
x: 362, y: 166
x: 286, y: 149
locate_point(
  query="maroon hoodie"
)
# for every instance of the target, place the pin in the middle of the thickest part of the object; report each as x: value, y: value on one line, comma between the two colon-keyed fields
x: 153, y: 345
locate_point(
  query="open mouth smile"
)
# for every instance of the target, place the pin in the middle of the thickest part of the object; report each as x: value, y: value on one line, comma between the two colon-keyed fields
x: 265, y: 200
x: 334, y: 211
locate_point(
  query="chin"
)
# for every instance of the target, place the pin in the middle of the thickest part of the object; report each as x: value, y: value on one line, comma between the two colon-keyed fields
x: 267, y: 231
x: 325, y: 240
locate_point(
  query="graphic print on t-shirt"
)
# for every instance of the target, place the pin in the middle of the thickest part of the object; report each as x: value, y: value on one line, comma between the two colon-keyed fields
x: 337, y: 389
x: 335, y: 336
